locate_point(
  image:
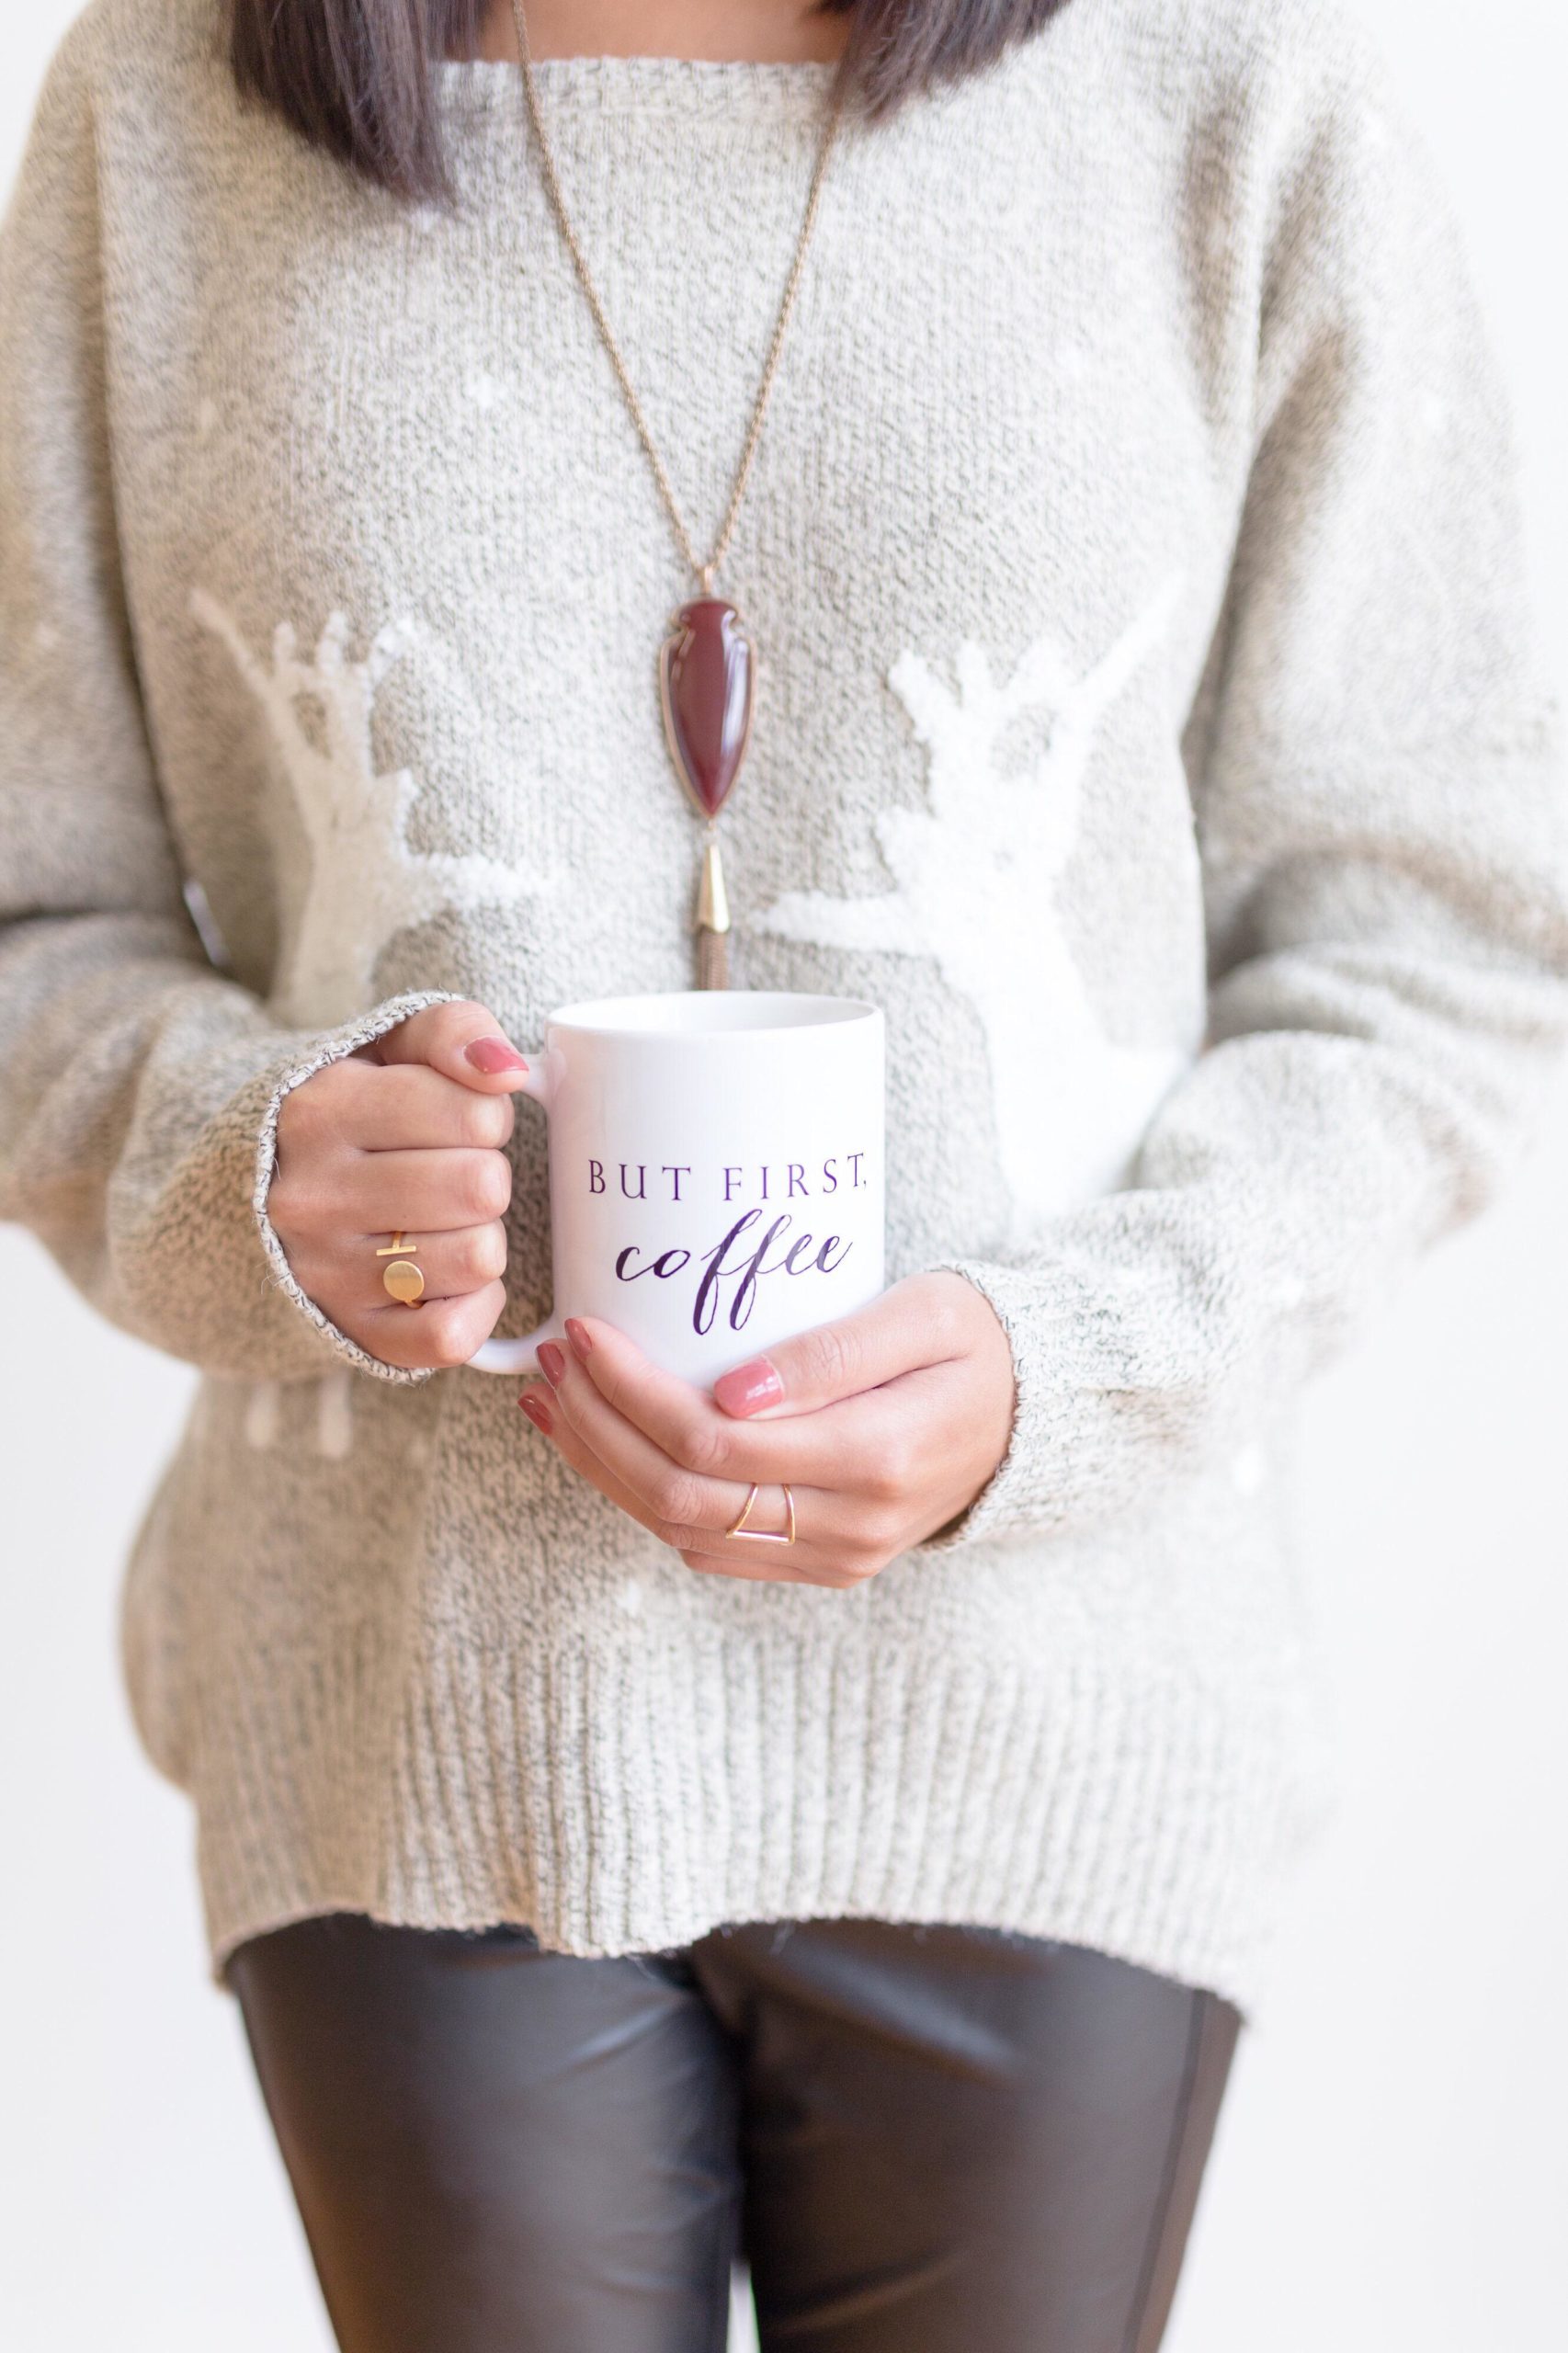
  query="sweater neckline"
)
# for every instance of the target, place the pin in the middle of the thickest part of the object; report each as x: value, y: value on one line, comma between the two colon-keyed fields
x: 697, y: 87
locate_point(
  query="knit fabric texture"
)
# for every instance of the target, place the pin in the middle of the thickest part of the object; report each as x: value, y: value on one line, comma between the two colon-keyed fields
x: 1152, y: 721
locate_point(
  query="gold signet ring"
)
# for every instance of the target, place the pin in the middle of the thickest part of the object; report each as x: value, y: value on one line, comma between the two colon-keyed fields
x: 403, y: 1279
x: 786, y: 1535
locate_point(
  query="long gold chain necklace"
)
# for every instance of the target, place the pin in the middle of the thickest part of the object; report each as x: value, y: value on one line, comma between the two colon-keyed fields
x: 707, y: 664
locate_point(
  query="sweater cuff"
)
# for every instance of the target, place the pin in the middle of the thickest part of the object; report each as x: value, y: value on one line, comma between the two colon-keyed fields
x: 1027, y: 1494
x: 331, y: 1047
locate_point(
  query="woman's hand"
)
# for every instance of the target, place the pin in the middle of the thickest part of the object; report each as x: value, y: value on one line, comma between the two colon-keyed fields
x: 886, y: 1426
x: 405, y: 1136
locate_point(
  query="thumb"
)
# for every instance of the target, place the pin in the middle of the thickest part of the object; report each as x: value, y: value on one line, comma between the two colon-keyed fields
x: 835, y: 1362
x: 462, y: 1041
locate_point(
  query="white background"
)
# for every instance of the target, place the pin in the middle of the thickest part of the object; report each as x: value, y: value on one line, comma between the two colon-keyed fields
x: 1390, y: 2173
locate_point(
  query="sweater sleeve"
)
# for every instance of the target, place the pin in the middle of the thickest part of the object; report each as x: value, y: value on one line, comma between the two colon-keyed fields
x: 1374, y: 762
x: 139, y: 1087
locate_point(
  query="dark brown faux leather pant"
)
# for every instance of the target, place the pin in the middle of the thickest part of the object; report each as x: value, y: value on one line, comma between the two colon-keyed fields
x: 924, y: 2141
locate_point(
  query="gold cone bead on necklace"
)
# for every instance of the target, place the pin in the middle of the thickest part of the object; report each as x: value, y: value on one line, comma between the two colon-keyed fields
x: 713, y: 924
x: 712, y: 903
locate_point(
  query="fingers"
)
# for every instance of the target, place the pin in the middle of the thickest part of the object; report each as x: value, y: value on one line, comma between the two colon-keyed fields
x: 885, y: 1427
x: 462, y: 1041
x: 359, y: 1106
x: 435, y: 1335
x: 861, y: 1442
x: 842, y: 1538
x: 541, y: 1407
x: 406, y: 1136
x: 673, y: 1498
x: 705, y: 1549
x: 453, y: 1264
x: 381, y: 1193
x: 904, y: 1330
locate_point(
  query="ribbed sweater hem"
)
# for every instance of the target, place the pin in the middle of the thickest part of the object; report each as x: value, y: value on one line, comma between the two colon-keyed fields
x: 1132, y: 1818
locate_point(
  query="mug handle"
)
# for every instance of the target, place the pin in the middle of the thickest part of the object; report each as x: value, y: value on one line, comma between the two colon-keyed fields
x: 522, y: 1354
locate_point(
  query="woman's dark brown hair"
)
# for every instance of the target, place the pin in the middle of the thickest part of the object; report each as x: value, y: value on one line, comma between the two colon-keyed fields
x: 354, y: 76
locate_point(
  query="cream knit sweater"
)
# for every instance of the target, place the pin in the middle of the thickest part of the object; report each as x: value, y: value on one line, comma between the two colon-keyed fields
x: 1152, y: 723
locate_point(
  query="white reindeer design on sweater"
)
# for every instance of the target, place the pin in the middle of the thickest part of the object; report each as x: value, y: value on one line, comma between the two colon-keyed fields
x: 365, y: 882
x: 976, y: 876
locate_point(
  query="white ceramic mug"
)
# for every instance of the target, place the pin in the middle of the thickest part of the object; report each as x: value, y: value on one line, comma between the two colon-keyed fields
x: 715, y: 1172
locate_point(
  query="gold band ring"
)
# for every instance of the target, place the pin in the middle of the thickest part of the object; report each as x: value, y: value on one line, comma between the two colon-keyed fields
x: 403, y: 1281
x: 762, y: 1535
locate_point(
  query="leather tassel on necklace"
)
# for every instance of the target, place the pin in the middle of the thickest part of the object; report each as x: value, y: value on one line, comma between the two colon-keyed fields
x: 707, y: 664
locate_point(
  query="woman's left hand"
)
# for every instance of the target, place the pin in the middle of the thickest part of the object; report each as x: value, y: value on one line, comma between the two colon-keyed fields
x: 885, y: 1426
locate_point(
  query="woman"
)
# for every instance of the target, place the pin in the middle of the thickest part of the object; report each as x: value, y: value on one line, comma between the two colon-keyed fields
x: 1149, y: 722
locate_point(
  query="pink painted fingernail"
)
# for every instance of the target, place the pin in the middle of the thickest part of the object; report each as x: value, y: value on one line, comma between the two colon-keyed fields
x: 552, y: 1362
x: 537, y: 1413
x: 577, y: 1333
x: 493, y: 1056
x: 750, y: 1389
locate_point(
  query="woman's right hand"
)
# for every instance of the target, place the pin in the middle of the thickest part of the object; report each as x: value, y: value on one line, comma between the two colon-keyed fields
x: 405, y: 1136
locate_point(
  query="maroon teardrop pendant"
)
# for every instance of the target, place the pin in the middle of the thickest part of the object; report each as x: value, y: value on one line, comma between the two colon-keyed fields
x: 706, y: 678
